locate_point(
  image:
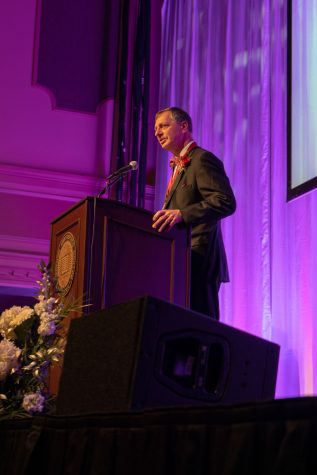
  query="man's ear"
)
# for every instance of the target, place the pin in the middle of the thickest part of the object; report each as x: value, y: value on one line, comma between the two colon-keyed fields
x: 184, y: 125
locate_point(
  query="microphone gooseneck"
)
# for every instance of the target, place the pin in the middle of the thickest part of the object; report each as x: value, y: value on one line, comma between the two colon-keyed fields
x: 116, y: 176
x: 132, y: 166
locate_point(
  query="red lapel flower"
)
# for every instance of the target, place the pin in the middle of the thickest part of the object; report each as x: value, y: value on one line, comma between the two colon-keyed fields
x: 184, y: 161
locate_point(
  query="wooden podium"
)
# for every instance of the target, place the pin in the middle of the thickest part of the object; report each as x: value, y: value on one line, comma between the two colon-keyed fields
x: 105, y: 253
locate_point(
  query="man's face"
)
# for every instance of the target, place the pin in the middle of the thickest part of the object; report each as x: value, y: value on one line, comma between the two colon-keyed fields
x: 169, y: 133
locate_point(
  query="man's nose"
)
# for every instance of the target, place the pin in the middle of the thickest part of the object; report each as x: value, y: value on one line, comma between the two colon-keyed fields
x: 157, y: 132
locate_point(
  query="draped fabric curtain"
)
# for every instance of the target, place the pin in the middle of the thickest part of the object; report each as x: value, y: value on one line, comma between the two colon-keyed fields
x: 132, y: 98
x: 226, y: 63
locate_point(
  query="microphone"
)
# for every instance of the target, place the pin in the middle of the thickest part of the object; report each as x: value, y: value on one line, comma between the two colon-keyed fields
x: 116, y: 176
x: 132, y: 166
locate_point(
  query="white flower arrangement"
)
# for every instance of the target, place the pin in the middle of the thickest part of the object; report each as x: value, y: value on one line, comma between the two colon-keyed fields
x: 9, y: 355
x: 32, y: 339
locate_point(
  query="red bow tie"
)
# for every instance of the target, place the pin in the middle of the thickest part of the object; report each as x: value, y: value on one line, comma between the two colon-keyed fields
x: 182, y: 162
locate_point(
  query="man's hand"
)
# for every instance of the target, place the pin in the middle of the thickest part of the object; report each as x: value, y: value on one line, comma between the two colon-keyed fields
x: 165, y: 219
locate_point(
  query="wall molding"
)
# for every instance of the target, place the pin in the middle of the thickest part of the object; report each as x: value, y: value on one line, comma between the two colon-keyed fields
x: 47, y: 184
x: 24, y: 245
x: 62, y: 186
x: 19, y: 258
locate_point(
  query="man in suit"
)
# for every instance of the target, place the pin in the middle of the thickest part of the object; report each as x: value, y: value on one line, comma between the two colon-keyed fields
x: 199, y: 195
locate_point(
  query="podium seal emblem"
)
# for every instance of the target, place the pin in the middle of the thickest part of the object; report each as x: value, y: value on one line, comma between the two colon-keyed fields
x: 65, y: 265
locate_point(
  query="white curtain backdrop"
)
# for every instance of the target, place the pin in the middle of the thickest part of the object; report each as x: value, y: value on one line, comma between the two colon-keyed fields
x: 226, y: 63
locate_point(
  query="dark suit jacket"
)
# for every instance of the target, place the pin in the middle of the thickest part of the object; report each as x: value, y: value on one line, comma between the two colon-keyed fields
x: 203, y: 194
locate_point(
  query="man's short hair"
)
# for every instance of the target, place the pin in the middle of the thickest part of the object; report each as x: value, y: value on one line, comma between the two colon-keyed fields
x: 179, y: 115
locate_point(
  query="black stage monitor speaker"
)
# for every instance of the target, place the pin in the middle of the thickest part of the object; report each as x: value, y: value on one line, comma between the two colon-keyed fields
x: 148, y: 353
